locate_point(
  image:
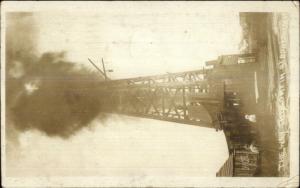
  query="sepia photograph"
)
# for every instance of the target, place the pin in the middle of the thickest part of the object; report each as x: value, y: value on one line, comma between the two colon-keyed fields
x: 150, y: 94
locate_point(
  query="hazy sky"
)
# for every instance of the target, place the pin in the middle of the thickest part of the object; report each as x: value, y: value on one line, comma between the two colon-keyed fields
x: 123, y: 146
x: 133, y: 43
x: 140, y: 43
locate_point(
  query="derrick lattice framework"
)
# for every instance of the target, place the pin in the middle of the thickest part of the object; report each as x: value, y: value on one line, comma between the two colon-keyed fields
x: 186, y: 97
x: 214, y: 97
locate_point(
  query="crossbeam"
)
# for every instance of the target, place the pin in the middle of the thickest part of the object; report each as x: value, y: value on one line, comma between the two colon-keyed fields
x: 186, y: 97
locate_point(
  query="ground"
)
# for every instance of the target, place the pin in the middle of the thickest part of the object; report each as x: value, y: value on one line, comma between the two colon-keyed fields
x: 272, y: 107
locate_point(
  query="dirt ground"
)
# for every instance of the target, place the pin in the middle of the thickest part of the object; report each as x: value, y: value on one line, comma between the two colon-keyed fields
x: 272, y: 105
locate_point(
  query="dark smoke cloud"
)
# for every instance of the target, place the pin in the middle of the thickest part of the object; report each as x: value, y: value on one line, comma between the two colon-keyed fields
x: 46, y: 92
x: 20, y: 39
x: 65, y: 100
x: 19, y: 52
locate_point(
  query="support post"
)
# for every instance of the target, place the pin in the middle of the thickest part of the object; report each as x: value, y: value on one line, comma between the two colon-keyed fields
x: 184, y: 102
x: 105, y: 76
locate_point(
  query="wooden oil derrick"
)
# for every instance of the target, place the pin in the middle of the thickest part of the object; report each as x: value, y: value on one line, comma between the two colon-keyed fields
x: 206, y: 98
